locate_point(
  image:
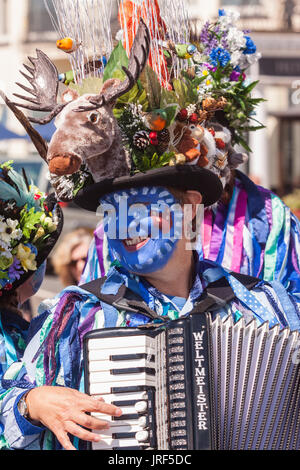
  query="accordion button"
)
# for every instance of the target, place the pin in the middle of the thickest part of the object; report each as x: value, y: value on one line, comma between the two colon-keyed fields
x: 142, y: 436
x: 143, y: 422
x: 141, y: 406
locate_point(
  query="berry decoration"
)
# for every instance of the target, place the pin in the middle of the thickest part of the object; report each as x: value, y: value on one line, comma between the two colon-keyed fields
x: 153, y: 136
x: 220, y: 144
x: 193, y: 118
x: 182, y: 115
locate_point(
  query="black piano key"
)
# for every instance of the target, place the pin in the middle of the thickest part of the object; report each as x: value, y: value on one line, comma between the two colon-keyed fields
x: 133, y: 370
x: 131, y: 357
x: 132, y: 389
x: 124, y: 417
x: 127, y: 402
x: 123, y: 435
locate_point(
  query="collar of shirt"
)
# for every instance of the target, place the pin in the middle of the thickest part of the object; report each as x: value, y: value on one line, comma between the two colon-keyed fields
x: 118, y: 276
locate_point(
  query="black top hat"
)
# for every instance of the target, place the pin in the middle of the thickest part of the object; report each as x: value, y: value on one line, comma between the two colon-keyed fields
x: 185, y: 177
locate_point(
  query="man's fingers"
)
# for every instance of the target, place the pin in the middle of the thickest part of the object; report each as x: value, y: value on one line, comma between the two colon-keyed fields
x: 90, y: 422
x: 92, y: 405
x: 81, y: 433
x: 63, y: 439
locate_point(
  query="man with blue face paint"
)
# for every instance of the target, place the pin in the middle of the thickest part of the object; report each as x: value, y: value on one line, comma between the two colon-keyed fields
x: 156, y: 276
x: 157, y: 265
x: 139, y: 235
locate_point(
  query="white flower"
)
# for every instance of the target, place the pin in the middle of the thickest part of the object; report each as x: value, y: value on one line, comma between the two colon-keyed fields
x: 191, y: 109
x: 9, y: 230
x: 229, y: 19
x: 253, y: 58
x: 236, y: 58
x: 4, y: 249
x: 236, y: 39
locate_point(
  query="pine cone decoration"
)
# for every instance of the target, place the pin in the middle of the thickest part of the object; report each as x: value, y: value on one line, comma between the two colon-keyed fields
x: 164, y: 140
x: 141, y: 140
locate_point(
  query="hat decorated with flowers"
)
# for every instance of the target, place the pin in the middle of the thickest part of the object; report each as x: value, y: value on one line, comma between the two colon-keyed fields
x: 30, y: 224
x: 165, y: 105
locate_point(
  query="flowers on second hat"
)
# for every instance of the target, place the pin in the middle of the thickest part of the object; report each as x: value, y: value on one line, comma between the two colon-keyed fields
x: 25, y: 225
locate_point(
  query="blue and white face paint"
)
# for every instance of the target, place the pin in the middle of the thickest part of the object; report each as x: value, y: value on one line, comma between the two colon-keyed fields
x: 143, y: 226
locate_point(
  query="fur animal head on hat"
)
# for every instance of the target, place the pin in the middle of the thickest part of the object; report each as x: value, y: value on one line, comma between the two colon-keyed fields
x: 90, y: 137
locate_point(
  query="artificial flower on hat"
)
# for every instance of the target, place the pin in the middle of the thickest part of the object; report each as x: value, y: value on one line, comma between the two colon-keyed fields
x: 28, y: 229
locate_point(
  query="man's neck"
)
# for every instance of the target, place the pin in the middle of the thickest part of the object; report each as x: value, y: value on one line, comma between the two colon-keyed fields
x: 176, y: 278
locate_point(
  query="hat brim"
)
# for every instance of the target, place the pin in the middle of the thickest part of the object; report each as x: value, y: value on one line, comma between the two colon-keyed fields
x: 185, y: 177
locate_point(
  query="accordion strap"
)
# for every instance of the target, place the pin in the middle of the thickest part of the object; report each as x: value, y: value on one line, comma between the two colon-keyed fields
x: 219, y: 293
x: 124, y: 299
x: 216, y: 295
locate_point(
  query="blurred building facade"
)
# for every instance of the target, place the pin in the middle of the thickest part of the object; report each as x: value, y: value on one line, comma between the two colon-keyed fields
x: 275, y: 25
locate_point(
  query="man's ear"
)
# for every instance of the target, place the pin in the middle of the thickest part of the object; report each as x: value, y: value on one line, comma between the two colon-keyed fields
x: 193, y: 198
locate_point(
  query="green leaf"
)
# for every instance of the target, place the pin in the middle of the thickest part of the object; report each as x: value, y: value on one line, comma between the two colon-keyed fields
x: 29, y: 220
x: 254, y: 128
x: 117, y: 60
x: 152, y: 86
x: 171, y: 111
x: 167, y: 97
x: 250, y: 87
x: 146, y: 163
x: 88, y: 85
x: 154, y: 160
x: 243, y: 143
x: 182, y: 93
x: 198, y: 80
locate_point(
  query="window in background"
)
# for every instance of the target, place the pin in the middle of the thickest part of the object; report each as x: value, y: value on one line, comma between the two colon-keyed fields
x: 3, y: 17
x: 240, y: 2
x: 39, y: 21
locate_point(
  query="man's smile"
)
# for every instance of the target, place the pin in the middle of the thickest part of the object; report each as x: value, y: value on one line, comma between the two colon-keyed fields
x: 134, y: 244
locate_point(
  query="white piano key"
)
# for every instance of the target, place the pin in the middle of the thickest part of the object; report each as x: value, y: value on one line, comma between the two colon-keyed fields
x: 127, y: 410
x: 119, y: 429
x: 124, y: 396
x: 126, y: 422
x: 107, y: 377
x: 107, y: 444
x: 114, y: 344
x: 101, y: 389
x: 104, y: 355
x: 98, y: 366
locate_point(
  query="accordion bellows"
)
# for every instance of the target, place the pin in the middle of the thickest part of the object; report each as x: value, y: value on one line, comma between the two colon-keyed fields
x: 197, y: 383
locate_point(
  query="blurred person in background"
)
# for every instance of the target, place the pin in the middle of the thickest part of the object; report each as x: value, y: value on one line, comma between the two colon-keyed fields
x: 30, y: 225
x: 70, y: 256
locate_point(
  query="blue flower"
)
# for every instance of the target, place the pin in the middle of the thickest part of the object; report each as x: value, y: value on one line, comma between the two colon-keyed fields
x: 219, y: 56
x: 15, y: 270
x: 33, y: 248
x: 222, y: 12
x: 250, y: 46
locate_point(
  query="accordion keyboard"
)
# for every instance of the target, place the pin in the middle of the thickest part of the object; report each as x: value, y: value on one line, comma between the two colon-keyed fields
x: 128, y: 380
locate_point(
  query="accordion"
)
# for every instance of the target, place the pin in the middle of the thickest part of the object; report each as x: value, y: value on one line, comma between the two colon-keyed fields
x: 197, y: 383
